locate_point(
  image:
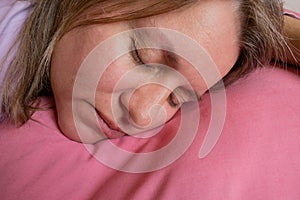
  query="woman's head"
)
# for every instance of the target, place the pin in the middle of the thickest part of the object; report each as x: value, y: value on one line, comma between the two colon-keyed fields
x: 233, y: 32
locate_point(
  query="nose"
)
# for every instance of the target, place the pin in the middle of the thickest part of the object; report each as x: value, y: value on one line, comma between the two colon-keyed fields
x: 141, y: 104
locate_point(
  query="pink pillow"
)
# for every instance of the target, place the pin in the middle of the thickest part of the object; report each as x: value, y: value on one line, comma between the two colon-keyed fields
x: 256, y: 157
x: 292, y: 13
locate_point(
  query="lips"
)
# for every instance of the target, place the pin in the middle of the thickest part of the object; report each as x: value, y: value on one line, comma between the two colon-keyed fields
x: 107, y: 130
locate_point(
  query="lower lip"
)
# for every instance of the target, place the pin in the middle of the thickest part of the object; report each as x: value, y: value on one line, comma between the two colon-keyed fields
x: 108, y: 132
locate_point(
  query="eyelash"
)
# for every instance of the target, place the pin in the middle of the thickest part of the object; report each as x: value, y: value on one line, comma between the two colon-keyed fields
x: 135, y: 54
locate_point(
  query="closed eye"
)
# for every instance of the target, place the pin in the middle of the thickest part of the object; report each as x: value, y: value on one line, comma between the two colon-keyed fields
x: 135, y: 54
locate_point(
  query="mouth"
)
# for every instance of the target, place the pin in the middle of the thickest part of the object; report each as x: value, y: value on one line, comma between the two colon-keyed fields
x: 108, y: 129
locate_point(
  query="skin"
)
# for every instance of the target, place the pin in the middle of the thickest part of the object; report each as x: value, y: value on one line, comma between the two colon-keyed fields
x: 292, y: 31
x: 213, y: 24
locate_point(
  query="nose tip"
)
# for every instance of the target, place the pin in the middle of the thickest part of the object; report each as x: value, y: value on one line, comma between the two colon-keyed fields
x: 144, y: 117
x: 146, y: 104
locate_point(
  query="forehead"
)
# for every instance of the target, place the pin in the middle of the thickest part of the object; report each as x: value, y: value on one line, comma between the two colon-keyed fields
x: 202, y: 19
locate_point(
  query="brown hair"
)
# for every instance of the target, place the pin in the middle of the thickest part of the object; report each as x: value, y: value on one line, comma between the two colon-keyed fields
x: 29, y: 72
x: 262, y: 40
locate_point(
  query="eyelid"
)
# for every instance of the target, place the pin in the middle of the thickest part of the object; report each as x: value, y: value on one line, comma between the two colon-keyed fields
x: 135, y: 53
x: 170, y: 57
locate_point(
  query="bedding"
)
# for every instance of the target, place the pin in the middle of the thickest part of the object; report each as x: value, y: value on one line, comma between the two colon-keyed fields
x: 12, y: 16
x: 257, y: 154
x: 256, y: 157
x: 291, y: 13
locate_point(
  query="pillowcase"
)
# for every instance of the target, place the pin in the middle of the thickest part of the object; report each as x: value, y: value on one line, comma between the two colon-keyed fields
x: 256, y: 156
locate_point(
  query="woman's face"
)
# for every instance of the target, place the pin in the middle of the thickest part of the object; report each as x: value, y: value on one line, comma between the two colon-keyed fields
x: 144, y: 103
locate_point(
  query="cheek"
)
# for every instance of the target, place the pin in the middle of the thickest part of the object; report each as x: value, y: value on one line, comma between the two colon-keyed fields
x: 224, y: 41
x: 113, y: 74
x: 226, y: 48
x: 226, y: 55
x: 218, y: 31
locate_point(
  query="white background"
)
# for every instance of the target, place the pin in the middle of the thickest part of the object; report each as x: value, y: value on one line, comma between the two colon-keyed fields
x: 293, y: 5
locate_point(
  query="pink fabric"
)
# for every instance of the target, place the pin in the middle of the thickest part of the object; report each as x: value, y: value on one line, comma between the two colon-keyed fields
x: 292, y: 13
x: 256, y: 157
